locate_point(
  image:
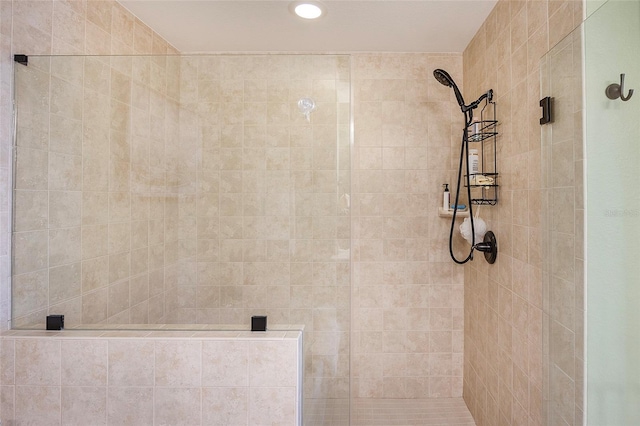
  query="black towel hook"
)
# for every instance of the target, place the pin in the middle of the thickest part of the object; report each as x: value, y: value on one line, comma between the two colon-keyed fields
x: 615, y: 90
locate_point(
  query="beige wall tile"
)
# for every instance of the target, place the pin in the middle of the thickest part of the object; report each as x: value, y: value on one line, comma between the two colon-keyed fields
x: 81, y: 405
x: 272, y: 405
x: 84, y: 363
x: 95, y: 273
x: 64, y: 246
x: 119, y: 297
x: 65, y: 172
x: 96, y: 78
x: 94, y: 306
x: 30, y: 292
x: 31, y: 169
x: 37, y: 363
x: 262, y: 361
x: 225, y: 364
x: 139, y: 289
x: 119, y: 176
x: 139, y: 314
x: 65, y: 135
x: 119, y: 237
x: 119, y: 266
x: 30, y: 251
x: 95, y: 241
x: 130, y: 405
x: 139, y: 261
x: 64, y: 282
x: 7, y: 362
x: 127, y: 371
x: 178, y: 364
x: 64, y: 209
x: 95, y: 174
x: 66, y: 98
x: 99, y: 13
x: 35, y: 404
x: 177, y: 405
x: 34, y: 205
x: 225, y: 405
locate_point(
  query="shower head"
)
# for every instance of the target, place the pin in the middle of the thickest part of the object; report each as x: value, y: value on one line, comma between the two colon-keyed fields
x: 444, y: 78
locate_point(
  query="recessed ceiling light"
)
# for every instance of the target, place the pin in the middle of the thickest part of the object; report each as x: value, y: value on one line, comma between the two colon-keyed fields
x: 307, y: 9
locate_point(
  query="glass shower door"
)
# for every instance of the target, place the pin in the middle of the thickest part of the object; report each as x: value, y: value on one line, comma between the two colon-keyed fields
x: 591, y: 206
x: 612, y: 42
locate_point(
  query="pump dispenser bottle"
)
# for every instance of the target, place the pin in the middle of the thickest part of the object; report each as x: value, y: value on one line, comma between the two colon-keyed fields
x: 446, y: 197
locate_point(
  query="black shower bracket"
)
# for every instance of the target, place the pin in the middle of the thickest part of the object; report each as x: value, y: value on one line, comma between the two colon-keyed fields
x: 21, y: 59
x: 545, y: 104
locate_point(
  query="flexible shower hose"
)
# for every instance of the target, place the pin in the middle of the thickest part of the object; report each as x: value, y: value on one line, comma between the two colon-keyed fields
x: 464, y: 149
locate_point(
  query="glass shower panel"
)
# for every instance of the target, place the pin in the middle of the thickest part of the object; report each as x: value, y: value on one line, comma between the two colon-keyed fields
x: 612, y: 42
x: 562, y: 234
x: 188, y: 191
x: 95, y: 195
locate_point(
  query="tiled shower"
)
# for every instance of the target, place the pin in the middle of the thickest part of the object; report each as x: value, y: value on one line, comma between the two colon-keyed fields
x: 191, y: 190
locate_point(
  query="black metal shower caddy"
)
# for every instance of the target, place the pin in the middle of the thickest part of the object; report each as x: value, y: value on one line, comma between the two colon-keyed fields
x: 484, y: 136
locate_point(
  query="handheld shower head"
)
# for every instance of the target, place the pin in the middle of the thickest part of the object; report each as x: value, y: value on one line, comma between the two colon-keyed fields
x: 444, y: 78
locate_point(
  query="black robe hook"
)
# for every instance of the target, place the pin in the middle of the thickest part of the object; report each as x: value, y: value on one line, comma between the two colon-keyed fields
x: 615, y: 90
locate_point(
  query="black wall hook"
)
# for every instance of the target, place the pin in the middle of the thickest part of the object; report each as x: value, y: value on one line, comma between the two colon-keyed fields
x: 615, y: 90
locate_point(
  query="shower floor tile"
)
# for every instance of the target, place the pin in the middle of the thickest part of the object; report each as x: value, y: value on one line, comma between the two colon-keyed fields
x: 389, y: 412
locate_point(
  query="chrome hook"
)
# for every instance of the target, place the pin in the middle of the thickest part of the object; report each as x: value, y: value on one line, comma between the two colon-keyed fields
x: 615, y: 90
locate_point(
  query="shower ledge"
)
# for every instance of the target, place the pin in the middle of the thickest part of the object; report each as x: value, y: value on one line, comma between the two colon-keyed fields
x: 449, y: 213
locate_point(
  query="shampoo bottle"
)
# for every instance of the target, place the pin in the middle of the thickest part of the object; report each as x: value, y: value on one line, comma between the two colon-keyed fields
x: 473, y: 162
x: 446, y: 197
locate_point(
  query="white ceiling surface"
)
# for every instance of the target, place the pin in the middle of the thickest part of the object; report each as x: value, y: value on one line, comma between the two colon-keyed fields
x: 205, y: 26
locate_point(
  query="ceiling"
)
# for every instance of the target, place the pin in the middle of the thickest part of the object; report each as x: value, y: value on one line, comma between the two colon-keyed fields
x: 204, y: 26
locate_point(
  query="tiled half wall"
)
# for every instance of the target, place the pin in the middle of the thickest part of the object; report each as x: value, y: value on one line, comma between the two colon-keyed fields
x: 136, y: 378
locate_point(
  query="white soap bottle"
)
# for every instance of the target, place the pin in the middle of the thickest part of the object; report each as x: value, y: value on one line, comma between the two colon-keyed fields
x: 446, y: 197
